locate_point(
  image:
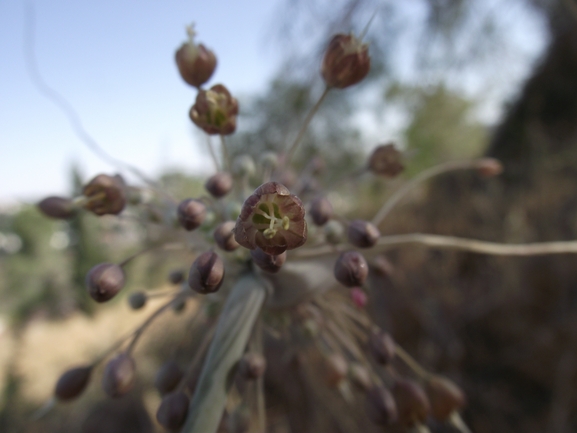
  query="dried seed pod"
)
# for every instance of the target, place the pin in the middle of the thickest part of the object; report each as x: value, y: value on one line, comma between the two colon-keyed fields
x: 252, y: 366
x: 176, y: 277
x: 215, y: 110
x: 105, y: 195
x: 386, y: 161
x: 224, y: 236
x: 381, y: 406
x: 172, y: 411
x: 363, y: 234
x: 191, y: 213
x: 196, y: 63
x: 137, y: 300
x: 57, y: 207
x: 346, y: 61
x: 104, y: 281
x: 168, y: 377
x: 412, y: 403
x: 382, y: 346
x: 267, y: 262
x: 72, y: 383
x: 335, y: 369
x: 321, y: 211
x: 206, y: 273
x: 445, y: 397
x: 271, y: 219
x: 219, y: 184
x: 489, y: 167
x: 118, y: 377
x: 351, y: 269
x: 359, y: 297
x: 360, y: 376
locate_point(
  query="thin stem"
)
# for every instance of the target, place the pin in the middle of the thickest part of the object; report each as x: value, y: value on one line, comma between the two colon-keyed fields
x: 304, y: 127
x: 225, y: 155
x: 212, y: 153
x: 423, y: 176
x: 166, y: 247
x: 411, y: 363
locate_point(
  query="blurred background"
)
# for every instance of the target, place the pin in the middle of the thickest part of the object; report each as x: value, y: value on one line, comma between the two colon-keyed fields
x: 451, y: 79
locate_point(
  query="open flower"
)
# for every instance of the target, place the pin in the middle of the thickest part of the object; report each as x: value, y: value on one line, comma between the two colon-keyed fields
x: 272, y: 219
x: 215, y: 111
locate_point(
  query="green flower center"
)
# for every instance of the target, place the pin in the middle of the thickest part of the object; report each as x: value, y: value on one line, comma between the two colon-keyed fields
x: 268, y: 219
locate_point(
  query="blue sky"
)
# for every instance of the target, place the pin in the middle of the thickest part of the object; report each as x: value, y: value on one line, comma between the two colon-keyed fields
x: 113, y: 60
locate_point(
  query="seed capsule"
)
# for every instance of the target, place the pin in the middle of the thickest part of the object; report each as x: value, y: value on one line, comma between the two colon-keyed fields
x: 224, y: 236
x: 412, y: 403
x: 57, y: 207
x: 118, y: 377
x: 137, y: 300
x: 363, y: 234
x: 104, y: 281
x: 267, y: 262
x: 72, y: 383
x: 489, y: 167
x: 176, y: 277
x: 172, y: 411
x: 206, y: 273
x: 346, y: 61
x: 381, y: 406
x: 351, y: 269
x: 252, y: 366
x: 382, y: 346
x: 105, y: 195
x: 191, y: 213
x: 445, y: 397
x: 219, y: 184
x: 196, y: 63
x: 321, y: 211
x: 168, y: 377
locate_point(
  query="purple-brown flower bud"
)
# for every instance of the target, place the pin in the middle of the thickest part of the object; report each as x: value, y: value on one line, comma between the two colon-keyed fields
x: 168, y: 377
x: 191, y: 213
x: 321, y: 211
x: 351, y: 269
x: 252, y: 366
x: 363, y: 234
x: 57, y: 207
x: 346, y: 61
x: 172, y: 411
x: 176, y: 277
x: 271, y: 219
x: 489, y: 167
x: 105, y: 195
x: 386, y: 161
x: 381, y: 406
x: 267, y: 262
x: 412, y: 403
x: 206, y: 273
x: 445, y: 397
x: 219, y: 184
x: 137, y: 300
x: 104, y: 281
x: 382, y: 346
x: 118, y: 377
x: 196, y: 63
x: 72, y: 383
x: 224, y: 237
x: 215, y: 111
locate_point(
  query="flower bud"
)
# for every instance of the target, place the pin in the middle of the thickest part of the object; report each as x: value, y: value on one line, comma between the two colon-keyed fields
x: 381, y: 406
x: 252, y: 366
x: 271, y: 219
x: 118, y: 377
x: 382, y: 346
x: 172, y: 411
x: 215, y: 111
x: 445, y: 397
x: 219, y: 184
x: 224, y: 236
x: 72, y: 383
x: 191, y: 213
x: 412, y: 403
x: 335, y: 369
x: 206, y: 273
x: 386, y: 161
x: 359, y: 297
x: 351, y: 269
x: 57, y: 207
x: 267, y: 262
x: 489, y: 167
x: 346, y: 61
x: 363, y: 234
x: 360, y: 376
x: 104, y: 281
x: 321, y: 211
x: 137, y: 300
x: 243, y: 165
x: 176, y: 277
x: 195, y: 63
x: 168, y: 377
x: 105, y: 195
